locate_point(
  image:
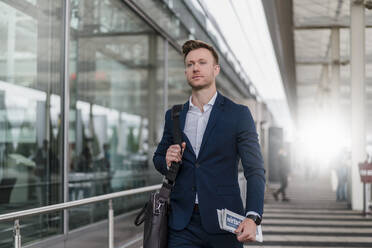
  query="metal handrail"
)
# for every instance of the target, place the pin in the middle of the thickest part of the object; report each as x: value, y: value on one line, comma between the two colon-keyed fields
x: 15, y: 216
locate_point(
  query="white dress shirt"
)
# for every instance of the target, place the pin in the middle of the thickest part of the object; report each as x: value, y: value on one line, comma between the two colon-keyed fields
x: 195, y: 125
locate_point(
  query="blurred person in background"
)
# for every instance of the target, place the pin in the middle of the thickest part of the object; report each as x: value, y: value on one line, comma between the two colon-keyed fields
x: 341, y: 168
x: 283, y: 164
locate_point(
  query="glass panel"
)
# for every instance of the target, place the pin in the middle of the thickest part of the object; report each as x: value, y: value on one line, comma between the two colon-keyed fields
x: 30, y: 104
x: 165, y: 17
x: 226, y: 87
x: 116, y: 88
x: 179, y: 90
x: 6, y: 234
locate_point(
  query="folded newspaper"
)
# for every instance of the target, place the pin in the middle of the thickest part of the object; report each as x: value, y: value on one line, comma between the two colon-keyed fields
x: 230, y: 221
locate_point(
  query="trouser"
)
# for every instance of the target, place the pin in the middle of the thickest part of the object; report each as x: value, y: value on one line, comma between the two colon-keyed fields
x: 341, y: 191
x: 194, y: 236
x: 283, y: 186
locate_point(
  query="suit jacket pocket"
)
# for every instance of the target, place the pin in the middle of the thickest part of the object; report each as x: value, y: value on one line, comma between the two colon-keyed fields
x: 228, y: 190
x: 177, y: 193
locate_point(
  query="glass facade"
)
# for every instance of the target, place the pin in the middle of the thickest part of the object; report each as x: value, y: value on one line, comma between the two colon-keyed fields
x: 30, y: 114
x: 178, y: 89
x: 116, y: 95
x: 122, y: 76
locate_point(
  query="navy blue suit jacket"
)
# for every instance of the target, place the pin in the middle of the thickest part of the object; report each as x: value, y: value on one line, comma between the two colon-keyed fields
x: 230, y: 135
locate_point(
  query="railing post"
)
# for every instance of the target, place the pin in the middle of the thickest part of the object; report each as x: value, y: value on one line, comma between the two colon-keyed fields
x: 110, y: 225
x: 17, y: 234
x: 364, y: 199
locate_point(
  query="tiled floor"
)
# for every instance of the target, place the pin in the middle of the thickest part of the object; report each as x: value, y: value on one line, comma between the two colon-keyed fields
x: 313, y: 218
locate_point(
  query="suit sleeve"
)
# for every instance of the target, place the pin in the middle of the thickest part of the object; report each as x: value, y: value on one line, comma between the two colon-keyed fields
x: 166, y: 141
x: 250, y: 154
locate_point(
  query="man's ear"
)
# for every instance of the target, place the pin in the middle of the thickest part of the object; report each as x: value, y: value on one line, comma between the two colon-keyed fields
x: 217, y: 69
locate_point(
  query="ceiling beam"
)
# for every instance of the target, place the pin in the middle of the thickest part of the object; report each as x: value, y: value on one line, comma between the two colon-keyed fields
x: 325, y: 26
x: 327, y: 22
x: 344, y: 81
x: 325, y: 61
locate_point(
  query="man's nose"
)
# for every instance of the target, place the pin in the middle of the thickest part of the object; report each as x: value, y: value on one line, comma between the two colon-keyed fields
x: 196, y: 67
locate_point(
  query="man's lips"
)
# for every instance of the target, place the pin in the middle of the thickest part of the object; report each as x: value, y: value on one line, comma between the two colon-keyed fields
x: 195, y: 77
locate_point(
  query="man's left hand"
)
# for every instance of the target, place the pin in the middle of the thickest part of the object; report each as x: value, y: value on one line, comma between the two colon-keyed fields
x: 246, y: 231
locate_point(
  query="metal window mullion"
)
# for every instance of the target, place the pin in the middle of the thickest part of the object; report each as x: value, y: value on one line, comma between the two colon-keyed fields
x: 65, y: 106
x: 165, y: 91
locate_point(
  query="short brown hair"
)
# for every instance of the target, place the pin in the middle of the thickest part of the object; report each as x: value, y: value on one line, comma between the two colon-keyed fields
x: 190, y: 45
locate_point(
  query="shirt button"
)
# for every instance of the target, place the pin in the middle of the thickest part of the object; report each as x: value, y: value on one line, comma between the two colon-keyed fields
x: 197, y: 165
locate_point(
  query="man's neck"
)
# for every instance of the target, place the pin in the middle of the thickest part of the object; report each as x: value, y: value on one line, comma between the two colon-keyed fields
x: 203, y: 96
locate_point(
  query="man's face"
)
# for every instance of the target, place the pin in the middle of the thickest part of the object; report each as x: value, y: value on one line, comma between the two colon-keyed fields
x: 201, y: 69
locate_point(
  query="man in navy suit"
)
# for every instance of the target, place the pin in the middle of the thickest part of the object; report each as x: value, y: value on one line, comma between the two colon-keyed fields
x: 218, y: 133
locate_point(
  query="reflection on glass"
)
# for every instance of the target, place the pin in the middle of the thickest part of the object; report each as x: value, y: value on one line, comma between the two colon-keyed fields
x: 162, y: 12
x: 30, y: 104
x: 116, y: 96
x: 179, y: 90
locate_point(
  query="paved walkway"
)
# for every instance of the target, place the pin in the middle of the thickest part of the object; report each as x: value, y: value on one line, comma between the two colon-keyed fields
x: 312, y: 218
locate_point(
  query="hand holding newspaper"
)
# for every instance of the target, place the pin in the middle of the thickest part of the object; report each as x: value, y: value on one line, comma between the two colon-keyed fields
x: 230, y: 221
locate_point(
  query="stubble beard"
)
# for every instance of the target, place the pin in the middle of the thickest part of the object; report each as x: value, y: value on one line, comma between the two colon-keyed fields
x: 206, y: 85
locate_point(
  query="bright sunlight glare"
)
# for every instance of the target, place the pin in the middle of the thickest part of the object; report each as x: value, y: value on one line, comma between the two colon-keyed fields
x: 321, y: 140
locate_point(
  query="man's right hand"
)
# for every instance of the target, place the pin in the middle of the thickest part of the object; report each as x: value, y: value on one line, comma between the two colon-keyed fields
x: 174, y: 154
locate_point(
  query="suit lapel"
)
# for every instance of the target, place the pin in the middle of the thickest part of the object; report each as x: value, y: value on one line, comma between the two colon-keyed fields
x: 213, y: 119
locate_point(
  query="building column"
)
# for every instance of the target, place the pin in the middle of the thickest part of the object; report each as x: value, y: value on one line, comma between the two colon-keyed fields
x: 322, y: 95
x: 358, y: 143
x: 335, y: 86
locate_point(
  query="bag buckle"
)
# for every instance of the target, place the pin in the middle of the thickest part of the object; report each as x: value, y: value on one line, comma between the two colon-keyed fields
x: 157, y: 207
x: 157, y: 204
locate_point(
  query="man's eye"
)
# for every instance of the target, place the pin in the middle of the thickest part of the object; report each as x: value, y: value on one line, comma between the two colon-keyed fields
x: 202, y: 62
x: 189, y: 65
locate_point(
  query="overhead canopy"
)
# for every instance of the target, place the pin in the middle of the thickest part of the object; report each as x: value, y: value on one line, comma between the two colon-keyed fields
x: 301, y: 31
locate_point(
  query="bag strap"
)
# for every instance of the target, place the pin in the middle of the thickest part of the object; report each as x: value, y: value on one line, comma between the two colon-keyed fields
x: 171, y: 175
x: 141, y: 216
x: 177, y: 134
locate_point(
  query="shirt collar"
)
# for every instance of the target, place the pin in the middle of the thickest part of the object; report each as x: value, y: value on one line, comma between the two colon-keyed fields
x: 211, y: 102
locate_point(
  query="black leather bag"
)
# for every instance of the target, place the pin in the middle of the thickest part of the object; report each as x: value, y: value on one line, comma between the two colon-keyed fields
x: 155, y: 216
x: 155, y: 211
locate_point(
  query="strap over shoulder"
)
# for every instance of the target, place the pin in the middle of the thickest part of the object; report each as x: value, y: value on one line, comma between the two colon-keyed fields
x: 177, y: 139
x: 177, y: 134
